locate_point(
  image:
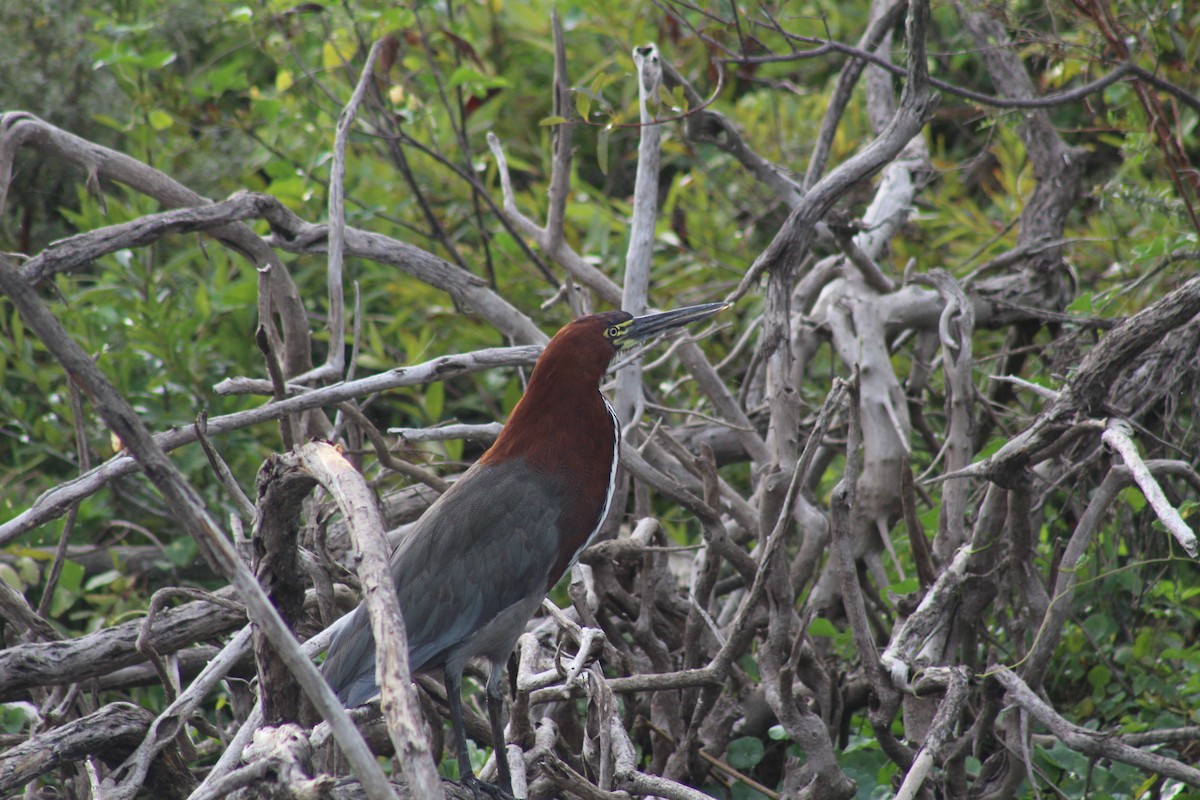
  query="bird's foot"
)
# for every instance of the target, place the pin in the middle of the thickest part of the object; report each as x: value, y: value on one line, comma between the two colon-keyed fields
x: 483, y: 790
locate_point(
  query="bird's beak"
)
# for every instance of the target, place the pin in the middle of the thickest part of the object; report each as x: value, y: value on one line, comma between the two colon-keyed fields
x: 641, y: 329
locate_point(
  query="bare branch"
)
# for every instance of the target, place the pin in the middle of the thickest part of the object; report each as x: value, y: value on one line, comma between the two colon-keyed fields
x: 335, y: 360
x: 109, y: 733
x: 1089, y: 742
x: 400, y: 705
x: 75, y: 660
x: 132, y: 773
x: 1119, y: 438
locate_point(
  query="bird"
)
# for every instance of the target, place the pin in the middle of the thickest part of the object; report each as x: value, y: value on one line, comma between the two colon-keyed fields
x: 476, y: 566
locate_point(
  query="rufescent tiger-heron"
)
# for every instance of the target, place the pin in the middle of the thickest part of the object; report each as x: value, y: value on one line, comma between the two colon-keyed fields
x: 476, y: 566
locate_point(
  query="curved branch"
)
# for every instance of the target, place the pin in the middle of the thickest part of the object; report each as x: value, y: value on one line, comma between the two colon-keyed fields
x: 1122, y: 70
x: 1092, y: 743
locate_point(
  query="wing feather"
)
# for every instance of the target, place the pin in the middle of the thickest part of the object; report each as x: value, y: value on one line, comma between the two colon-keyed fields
x: 487, y: 544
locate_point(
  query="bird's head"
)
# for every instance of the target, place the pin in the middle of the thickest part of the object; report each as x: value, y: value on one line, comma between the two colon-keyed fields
x: 589, y: 343
x: 560, y: 414
x: 624, y: 332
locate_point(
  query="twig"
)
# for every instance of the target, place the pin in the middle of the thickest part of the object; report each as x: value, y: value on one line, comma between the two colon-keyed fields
x: 562, y: 254
x: 114, y: 726
x: 144, y: 645
x: 289, y: 429
x: 64, y: 661
x: 724, y: 766
x: 84, y: 455
x: 1118, y: 437
x: 335, y: 360
x: 883, y: 19
x: 18, y: 613
x: 1049, y: 101
x: 20, y: 129
x: 560, y: 166
x: 385, y: 456
x: 483, y: 432
x: 636, y: 287
x: 1089, y: 742
x: 940, y: 731
x: 224, y: 474
x: 916, y: 103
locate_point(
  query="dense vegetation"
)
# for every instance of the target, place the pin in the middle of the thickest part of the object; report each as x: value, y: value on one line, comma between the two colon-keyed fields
x: 896, y: 538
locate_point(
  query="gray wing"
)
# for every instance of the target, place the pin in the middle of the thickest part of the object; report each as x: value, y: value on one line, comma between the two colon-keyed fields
x: 487, y: 544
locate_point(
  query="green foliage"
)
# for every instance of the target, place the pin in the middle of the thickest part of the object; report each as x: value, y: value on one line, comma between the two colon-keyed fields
x: 745, y: 753
x: 865, y: 764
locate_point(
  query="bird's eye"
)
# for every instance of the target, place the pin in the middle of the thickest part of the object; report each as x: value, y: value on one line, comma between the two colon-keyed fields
x: 614, y: 332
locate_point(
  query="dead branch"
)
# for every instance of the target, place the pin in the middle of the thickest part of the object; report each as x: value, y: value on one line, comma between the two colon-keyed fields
x: 1089, y: 742
x: 51, y: 663
x: 108, y: 734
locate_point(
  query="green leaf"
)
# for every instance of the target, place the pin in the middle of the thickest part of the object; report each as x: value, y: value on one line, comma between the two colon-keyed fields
x: 1144, y: 644
x: 394, y: 19
x: 1081, y: 304
x: 464, y: 74
x: 160, y: 120
x: 231, y: 77
x: 9, y: 576
x: 822, y: 627
x: 155, y: 59
x: 992, y: 447
x: 67, y: 590
x: 1100, y: 627
x: 744, y: 753
x: 13, y: 718
x: 583, y: 104
x: 679, y: 100
x: 182, y: 551
x: 110, y: 122
x: 103, y: 579
x: 201, y: 302
x: 335, y: 55
x: 1188, y: 508
x: 743, y: 791
x: 599, y: 82
x: 664, y: 96
x: 28, y: 569
x: 435, y: 400
x: 1134, y: 498
x: 548, y: 121
x: 1099, y: 677
x: 602, y: 148
x: 777, y: 733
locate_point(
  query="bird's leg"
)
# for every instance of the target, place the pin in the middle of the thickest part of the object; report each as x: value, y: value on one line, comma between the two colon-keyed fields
x: 454, y: 698
x: 480, y: 789
x: 495, y: 704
